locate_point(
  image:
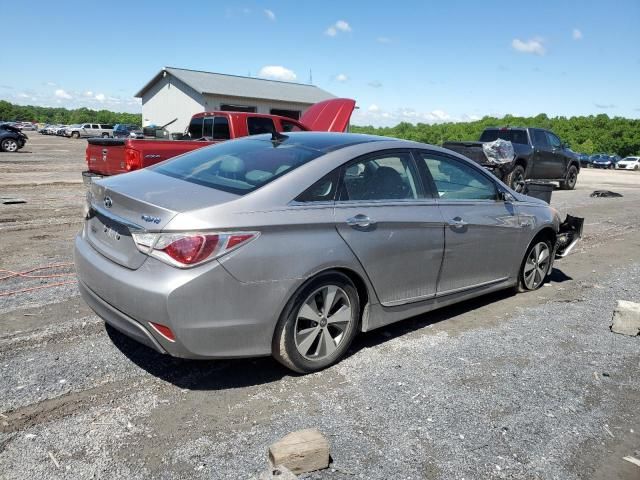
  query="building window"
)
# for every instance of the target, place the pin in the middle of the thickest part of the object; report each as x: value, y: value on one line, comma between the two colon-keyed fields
x: 225, y: 107
x: 295, y: 114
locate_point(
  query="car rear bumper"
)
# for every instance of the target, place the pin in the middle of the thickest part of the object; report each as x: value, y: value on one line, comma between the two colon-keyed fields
x: 211, y: 314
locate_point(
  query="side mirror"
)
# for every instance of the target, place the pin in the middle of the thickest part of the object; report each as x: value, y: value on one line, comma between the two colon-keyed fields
x: 505, y: 196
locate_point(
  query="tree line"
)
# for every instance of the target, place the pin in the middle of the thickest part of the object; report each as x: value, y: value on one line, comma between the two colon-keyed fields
x: 56, y: 115
x: 586, y: 134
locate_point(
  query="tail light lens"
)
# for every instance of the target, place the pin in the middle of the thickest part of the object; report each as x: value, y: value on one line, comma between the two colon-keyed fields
x: 132, y: 159
x: 185, y: 250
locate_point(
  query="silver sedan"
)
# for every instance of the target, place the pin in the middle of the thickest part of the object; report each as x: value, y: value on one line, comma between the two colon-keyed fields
x: 288, y: 245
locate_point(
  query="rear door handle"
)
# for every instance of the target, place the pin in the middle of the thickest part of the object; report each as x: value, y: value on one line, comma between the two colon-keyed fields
x: 360, y: 221
x: 457, y: 222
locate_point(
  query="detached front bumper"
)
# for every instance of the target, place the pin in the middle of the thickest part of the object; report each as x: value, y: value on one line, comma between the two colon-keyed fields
x: 568, y: 236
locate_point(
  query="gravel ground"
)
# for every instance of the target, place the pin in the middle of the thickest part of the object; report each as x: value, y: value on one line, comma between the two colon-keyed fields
x: 531, y: 386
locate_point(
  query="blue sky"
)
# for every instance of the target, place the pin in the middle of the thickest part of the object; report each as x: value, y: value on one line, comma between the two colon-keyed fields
x: 402, y: 61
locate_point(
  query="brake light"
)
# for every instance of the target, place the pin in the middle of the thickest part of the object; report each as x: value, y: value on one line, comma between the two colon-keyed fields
x: 132, y: 159
x: 86, y: 156
x: 189, y: 249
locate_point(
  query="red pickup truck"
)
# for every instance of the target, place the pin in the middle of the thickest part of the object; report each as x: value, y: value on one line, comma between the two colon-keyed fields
x: 111, y: 156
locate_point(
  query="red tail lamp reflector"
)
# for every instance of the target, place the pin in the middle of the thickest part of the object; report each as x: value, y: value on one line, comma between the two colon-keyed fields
x: 164, y: 331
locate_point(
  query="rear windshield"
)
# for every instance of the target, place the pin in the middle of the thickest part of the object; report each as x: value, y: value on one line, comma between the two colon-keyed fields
x: 514, y: 136
x: 239, y: 166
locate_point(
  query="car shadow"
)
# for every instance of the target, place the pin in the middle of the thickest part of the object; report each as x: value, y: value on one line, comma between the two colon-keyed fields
x: 199, y: 374
x: 558, y: 276
x: 236, y: 373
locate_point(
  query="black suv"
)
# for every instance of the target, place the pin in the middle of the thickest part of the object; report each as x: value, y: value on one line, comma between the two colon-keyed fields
x: 123, y: 130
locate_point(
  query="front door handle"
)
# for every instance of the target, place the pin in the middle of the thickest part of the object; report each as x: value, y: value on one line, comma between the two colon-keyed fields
x: 457, y: 222
x: 360, y: 221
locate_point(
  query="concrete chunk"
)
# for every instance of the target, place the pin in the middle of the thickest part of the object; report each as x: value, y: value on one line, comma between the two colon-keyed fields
x: 301, y: 452
x: 626, y: 318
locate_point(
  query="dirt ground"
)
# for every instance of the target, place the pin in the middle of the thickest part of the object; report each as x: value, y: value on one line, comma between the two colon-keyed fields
x: 529, y: 386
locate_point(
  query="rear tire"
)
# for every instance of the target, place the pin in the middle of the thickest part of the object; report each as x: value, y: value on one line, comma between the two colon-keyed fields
x: 516, y: 179
x: 535, y: 265
x: 318, y: 324
x: 9, y: 145
x: 571, y: 179
x: 105, y: 135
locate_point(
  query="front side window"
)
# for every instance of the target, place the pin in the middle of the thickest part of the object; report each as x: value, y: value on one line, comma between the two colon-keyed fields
x: 553, y: 140
x: 455, y: 180
x: 238, y: 167
x: 385, y: 177
x: 540, y: 138
x: 258, y: 125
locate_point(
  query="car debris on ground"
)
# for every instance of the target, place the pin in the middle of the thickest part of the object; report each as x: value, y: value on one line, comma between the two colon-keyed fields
x: 606, y: 194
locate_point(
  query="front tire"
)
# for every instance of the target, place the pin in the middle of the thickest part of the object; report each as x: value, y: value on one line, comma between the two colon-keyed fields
x: 516, y: 178
x: 318, y: 324
x: 75, y: 135
x: 9, y: 145
x: 535, y: 266
x: 571, y: 179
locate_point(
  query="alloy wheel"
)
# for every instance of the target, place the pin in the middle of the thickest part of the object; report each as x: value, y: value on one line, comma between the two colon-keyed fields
x: 10, y: 145
x: 322, y: 321
x: 537, y: 265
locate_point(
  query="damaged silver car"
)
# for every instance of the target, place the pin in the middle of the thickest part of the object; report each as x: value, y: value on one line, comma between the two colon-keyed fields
x: 288, y: 245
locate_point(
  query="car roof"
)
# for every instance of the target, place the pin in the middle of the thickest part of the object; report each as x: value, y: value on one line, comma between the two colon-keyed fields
x: 323, y: 141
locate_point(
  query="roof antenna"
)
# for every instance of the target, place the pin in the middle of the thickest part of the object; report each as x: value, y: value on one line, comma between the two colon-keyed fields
x: 277, y: 137
x: 310, y: 77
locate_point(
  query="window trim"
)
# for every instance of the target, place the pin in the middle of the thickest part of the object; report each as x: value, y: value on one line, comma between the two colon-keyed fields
x: 424, y: 170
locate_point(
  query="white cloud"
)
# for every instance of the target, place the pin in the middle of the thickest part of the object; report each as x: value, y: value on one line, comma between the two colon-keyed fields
x: 374, y: 115
x: 339, y: 26
x: 62, y: 94
x: 341, y: 77
x: 270, y: 15
x: 373, y: 108
x: 535, y: 46
x: 23, y: 95
x: 277, y: 72
x: 576, y: 34
x: 383, y: 40
x: 88, y: 93
x: 375, y: 84
x: 440, y: 115
x: 100, y: 97
x: 51, y: 84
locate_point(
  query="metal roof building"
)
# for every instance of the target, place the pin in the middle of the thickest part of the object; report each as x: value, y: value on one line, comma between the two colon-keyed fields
x: 179, y: 93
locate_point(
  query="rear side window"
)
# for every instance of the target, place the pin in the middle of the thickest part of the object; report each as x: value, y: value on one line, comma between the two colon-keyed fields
x: 324, y: 190
x: 258, y: 125
x: 457, y: 181
x: 238, y: 167
x: 513, y: 136
x: 386, y: 177
x: 195, y: 128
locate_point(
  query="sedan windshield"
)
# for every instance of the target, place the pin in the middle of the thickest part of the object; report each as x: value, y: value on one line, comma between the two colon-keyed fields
x: 239, y: 166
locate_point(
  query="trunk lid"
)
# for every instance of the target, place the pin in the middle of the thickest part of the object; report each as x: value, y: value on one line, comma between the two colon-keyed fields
x: 139, y: 201
x: 329, y: 116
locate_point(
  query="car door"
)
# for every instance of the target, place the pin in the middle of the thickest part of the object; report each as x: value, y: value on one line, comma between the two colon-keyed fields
x: 482, y: 232
x: 543, y: 156
x: 557, y: 165
x: 392, y: 227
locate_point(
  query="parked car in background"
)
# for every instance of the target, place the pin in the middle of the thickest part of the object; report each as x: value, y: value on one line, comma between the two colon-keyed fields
x: 124, y: 130
x: 629, y: 163
x: 170, y: 255
x: 539, y: 155
x: 60, y: 131
x: 11, y: 138
x: 602, y: 160
x: 87, y: 130
x: 112, y: 156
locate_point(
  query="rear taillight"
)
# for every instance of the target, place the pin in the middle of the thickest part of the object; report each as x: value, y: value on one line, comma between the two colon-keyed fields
x: 189, y: 249
x: 86, y: 157
x: 163, y: 330
x: 132, y: 159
